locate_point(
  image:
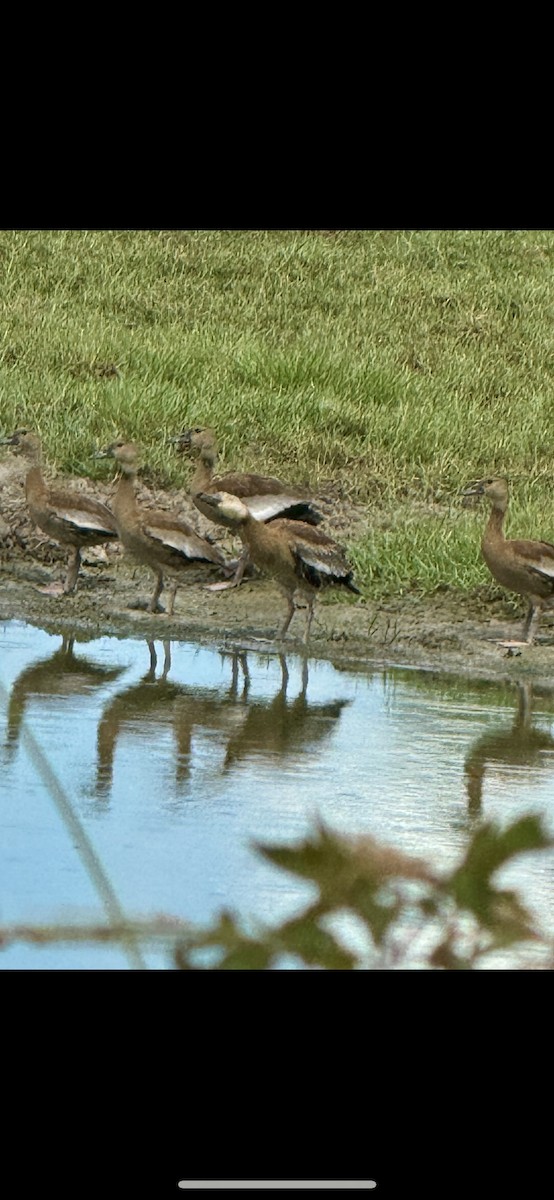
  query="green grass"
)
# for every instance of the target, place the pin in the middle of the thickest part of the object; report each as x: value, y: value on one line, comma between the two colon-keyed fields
x: 398, y: 363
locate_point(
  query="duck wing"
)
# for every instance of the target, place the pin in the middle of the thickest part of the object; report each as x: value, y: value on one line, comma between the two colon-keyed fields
x: 246, y: 484
x: 177, y: 536
x: 281, y: 504
x: 318, y: 559
x: 81, y: 514
x: 536, y: 557
x: 267, y: 497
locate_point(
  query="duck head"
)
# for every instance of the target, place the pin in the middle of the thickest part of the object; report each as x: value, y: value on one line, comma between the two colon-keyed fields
x: 495, y: 488
x: 227, y: 509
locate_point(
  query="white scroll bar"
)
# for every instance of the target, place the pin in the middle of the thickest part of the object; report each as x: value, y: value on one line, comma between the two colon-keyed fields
x: 338, y: 1184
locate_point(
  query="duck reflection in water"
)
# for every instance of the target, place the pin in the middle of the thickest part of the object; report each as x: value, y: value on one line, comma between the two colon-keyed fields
x: 521, y: 745
x: 155, y: 703
x: 61, y: 674
x: 281, y: 727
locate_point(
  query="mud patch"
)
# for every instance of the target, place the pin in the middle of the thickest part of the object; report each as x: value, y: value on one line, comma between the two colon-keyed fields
x: 446, y: 633
x: 442, y: 634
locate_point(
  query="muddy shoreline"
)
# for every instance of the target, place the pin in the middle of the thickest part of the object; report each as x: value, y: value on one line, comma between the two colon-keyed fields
x: 446, y: 633
x: 443, y: 634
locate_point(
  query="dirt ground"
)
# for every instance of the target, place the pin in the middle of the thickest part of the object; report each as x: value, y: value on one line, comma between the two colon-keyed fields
x: 443, y: 633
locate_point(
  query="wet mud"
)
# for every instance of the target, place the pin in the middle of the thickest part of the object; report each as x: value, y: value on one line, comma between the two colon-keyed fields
x: 446, y: 632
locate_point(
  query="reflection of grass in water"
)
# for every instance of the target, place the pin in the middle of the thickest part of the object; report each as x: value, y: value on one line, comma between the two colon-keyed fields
x: 483, y: 692
x: 79, y: 837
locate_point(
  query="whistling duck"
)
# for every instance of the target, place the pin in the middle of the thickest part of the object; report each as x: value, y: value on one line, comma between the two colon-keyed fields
x: 525, y: 567
x: 517, y: 746
x: 300, y: 558
x: 159, y: 540
x: 264, y: 496
x: 66, y: 516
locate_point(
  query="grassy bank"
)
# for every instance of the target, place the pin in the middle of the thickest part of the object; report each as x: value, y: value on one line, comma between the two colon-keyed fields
x: 398, y: 364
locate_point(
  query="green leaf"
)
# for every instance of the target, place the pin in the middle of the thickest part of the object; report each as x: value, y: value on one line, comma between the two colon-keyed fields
x: 304, y: 937
x: 320, y: 857
x: 377, y: 914
x: 446, y: 957
x: 248, y: 956
x: 490, y: 849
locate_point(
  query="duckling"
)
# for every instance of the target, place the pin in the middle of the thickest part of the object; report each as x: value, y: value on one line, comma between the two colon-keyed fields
x: 66, y: 516
x: 302, y: 560
x: 266, y: 497
x: 161, y: 541
x: 525, y: 567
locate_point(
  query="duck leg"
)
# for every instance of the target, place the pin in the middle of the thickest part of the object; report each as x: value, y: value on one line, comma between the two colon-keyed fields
x: 73, y: 571
x: 309, y: 620
x: 529, y: 627
x: 290, y: 614
x: 64, y: 589
x: 241, y: 567
x: 531, y: 622
x: 171, y: 600
x: 237, y: 577
x: 153, y: 606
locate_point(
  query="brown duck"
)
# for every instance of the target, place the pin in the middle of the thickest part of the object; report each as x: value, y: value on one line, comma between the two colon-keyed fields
x: 525, y: 567
x: 68, y: 517
x: 159, y: 540
x: 302, y: 560
x: 266, y: 497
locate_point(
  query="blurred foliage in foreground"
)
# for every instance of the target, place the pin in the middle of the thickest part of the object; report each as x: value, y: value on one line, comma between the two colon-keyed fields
x: 406, y: 915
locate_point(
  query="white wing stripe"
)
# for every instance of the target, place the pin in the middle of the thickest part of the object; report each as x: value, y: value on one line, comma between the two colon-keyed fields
x: 545, y: 566
x: 84, y: 519
x: 264, y: 507
x: 176, y: 540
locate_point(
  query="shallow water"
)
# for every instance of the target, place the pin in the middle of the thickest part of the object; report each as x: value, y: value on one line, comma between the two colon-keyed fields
x: 176, y: 758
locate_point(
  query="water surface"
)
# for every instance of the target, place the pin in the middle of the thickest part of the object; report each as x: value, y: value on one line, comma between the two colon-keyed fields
x: 176, y: 757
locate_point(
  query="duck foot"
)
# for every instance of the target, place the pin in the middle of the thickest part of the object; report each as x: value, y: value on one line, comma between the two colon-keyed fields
x: 144, y: 606
x: 51, y: 589
x: 511, y: 645
x: 220, y: 587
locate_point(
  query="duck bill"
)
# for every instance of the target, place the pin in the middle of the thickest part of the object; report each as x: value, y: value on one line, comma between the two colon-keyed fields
x: 181, y: 440
x: 208, y: 499
x: 9, y: 441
